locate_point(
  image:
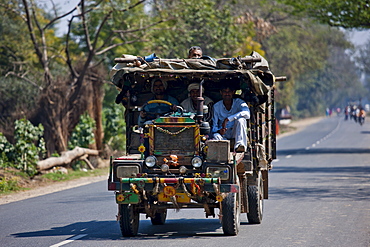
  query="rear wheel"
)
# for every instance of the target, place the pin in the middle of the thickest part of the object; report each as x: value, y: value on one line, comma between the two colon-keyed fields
x: 231, y: 214
x: 255, y: 201
x: 129, y: 219
x: 159, y: 218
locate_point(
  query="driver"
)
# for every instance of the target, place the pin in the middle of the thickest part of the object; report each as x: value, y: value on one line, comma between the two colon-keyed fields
x: 152, y: 111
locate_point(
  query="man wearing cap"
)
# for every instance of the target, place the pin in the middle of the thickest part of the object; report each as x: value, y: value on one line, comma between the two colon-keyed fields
x: 190, y: 104
x: 151, y: 111
x: 230, y: 119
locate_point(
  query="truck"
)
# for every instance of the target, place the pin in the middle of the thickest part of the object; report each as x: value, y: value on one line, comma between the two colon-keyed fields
x: 172, y: 162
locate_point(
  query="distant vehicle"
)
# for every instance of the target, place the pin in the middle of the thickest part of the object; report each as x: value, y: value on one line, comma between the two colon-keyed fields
x: 172, y: 163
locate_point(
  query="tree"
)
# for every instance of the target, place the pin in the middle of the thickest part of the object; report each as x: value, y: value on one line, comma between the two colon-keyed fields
x: 206, y: 23
x: 331, y: 87
x: 307, y: 53
x: 338, y: 13
x: 363, y: 59
x: 90, y: 35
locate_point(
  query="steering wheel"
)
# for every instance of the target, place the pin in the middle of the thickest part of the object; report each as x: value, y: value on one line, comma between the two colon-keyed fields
x: 159, y: 101
x: 153, y: 115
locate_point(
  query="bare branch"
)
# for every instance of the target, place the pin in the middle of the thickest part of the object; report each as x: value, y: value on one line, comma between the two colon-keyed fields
x: 141, y: 29
x: 106, y: 19
x: 31, y: 32
x: 68, y: 57
x: 59, y: 17
x: 11, y: 73
x: 119, y: 44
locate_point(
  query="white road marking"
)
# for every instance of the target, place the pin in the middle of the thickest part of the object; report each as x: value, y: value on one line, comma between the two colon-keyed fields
x: 69, y: 240
x: 288, y: 156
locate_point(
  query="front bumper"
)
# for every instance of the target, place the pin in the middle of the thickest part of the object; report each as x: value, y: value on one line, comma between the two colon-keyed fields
x: 149, y: 184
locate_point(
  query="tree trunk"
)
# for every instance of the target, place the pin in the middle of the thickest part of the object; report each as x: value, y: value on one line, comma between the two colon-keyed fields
x: 66, y: 158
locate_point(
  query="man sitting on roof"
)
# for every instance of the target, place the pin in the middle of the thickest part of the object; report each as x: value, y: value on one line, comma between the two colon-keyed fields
x: 230, y: 119
x: 152, y: 111
x: 195, y: 52
x: 190, y: 104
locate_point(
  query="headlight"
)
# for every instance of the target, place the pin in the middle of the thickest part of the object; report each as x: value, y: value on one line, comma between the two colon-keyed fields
x: 196, y: 162
x: 150, y: 161
x: 165, y: 168
x: 182, y: 169
x: 219, y: 172
x: 127, y: 171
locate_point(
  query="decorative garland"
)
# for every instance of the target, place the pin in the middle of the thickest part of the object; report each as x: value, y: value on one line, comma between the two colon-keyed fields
x: 169, y: 132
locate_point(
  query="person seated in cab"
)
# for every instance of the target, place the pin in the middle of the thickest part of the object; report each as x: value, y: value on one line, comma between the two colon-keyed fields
x: 190, y: 104
x: 230, y: 119
x: 152, y: 111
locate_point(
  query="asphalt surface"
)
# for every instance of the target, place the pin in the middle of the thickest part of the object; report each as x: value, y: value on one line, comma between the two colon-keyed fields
x: 319, y: 196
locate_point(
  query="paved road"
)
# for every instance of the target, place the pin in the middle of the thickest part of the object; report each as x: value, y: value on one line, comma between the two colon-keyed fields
x: 319, y: 196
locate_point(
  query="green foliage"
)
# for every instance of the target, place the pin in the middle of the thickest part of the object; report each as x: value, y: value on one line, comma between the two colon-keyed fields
x: 55, y: 176
x: 17, y: 98
x: 204, y: 23
x: 82, y: 136
x: 8, y: 184
x: 316, y: 65
x: 29, y: 145
x: 83, y: 133
x: 73, y: 174
x: 113, y: 120
x: 26, y: 151
x: 5, y: 150
x: 114, y: 128
x: 347, y: 14
x: 332, y: 86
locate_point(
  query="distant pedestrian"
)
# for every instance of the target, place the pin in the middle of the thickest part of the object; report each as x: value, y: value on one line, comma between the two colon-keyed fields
x: 347, y: 111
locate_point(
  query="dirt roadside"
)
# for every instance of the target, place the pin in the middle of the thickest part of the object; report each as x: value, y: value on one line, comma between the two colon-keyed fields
x: 293, y: 127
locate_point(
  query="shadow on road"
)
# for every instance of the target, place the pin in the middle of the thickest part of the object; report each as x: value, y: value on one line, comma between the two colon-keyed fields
x: 339, y: 193
x: 328, y: 183
x: 109, y: 230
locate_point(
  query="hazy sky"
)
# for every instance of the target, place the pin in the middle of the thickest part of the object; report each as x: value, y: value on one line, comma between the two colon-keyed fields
x: 359, y: 37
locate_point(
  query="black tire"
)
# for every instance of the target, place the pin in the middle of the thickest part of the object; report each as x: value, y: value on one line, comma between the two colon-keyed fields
x: 231, y: 214
x: 129, y: 220
x: 255, y: 201
x: 159, y: 218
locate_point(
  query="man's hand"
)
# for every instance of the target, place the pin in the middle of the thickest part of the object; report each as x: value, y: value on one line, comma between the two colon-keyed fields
x: 174, y: 108
x: 222, y: 131
x: 224, y: 123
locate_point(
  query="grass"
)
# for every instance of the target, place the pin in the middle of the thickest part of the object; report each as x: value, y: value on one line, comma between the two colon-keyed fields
x: 58, y: 176
x: 12, y: 180
x: 8, y: 184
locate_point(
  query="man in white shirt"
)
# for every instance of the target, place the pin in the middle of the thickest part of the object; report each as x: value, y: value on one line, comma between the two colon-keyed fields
x: 230, y: 119
x: 190, y: 104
